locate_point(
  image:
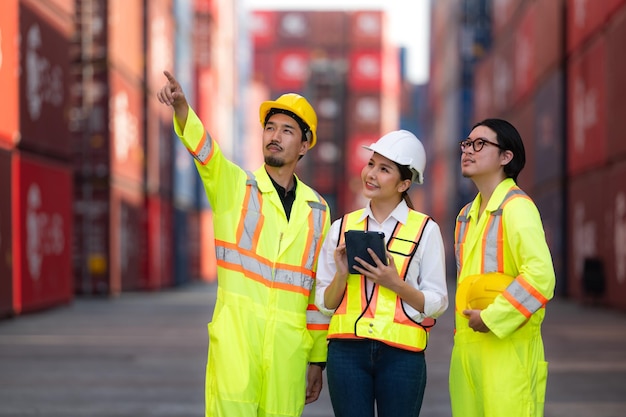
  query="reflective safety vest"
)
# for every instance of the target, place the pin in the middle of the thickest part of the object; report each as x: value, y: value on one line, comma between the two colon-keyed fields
x: 380, y: 314
x: 519, y: 293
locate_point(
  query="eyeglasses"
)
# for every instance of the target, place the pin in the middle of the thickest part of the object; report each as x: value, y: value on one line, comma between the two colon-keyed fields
x: 476, y: 144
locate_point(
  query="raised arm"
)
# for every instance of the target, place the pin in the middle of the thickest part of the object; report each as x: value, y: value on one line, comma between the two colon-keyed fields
x: 172, y: 94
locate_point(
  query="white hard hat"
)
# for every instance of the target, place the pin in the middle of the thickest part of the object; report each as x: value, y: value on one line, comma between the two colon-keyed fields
x: 403, y: 148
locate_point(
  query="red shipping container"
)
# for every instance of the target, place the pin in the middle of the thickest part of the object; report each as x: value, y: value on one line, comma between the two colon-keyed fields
x: 549, y: 34
x: 263, y: 28
x: 586, y: 109
x: 365, y: 113
x: 42, y: 233
x: 125, y: 28
x: 503, y: 74
x: 293, y: 28
x: 586, y: 216
x: 126, y: 128
x: 503, y: 12
x: 127, y: 239
x: 365, y: 70
x: 329, y: 29
x: 290, y: 69
x: 616, y: 86
x: 616, y: 256
x: 159, y: 244
x: 483, y: 89
x: 584, y: 19
x: 551, y: 205
x: 6, y: 235
x: 368, y: 29
x: 9, y: 73
x: 524, y: 121
x: 44, y: 84
x: 549, y: 129
x: 524, y: 53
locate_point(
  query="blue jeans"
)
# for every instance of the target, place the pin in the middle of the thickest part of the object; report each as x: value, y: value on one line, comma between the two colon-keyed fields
x: 362, y: 373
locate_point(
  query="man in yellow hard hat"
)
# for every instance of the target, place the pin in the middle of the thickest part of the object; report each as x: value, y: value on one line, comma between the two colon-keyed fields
x: 498, y: 366
x: 267, y: 340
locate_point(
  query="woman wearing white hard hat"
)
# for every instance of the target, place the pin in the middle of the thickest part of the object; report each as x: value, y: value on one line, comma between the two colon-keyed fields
x: 382, y: 313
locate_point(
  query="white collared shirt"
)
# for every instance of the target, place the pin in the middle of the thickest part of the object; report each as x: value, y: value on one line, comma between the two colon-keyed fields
x: 427, y: 270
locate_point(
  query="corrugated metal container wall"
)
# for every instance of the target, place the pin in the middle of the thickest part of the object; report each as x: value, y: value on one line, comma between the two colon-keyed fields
x: 9, y: 73
x: 44, y: 81
x: 159, y: 243
x: 523, y: 118
x: 503, y: 73
x: 42, y: 233
x: 290, y: 69
x: 587, y: 202
x: 616, y: 257
x: 503, y: 12
x: 483, y: 89
x: 263, y: 28
x: 364, y: 112
x: 293, y: 28
x: 616, y: 86
x: 586, y: 109
x: 329, y: 29
x: 549, y: 130
x: 6, y: 234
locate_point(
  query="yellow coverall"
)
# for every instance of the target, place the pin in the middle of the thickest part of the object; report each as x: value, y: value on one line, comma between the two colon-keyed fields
x: 502, y: 372
x: 265, y: 327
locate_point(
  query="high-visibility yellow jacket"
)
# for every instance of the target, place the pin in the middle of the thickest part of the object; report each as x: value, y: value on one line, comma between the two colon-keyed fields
x: 380, y: 315
x: 502, y: 372
x: 265, y: 327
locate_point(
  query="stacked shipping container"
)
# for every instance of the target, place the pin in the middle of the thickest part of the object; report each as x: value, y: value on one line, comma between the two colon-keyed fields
x: 36, y: 185
x: 345, y: 64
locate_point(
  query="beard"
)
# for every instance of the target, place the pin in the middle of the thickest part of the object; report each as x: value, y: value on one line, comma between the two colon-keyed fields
x: 274, y: 162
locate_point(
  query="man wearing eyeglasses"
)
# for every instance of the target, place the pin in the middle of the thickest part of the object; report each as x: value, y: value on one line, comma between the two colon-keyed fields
x: 498, y: 366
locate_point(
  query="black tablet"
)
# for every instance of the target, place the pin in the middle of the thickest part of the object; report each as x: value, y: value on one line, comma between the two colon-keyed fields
x: 357, y: 242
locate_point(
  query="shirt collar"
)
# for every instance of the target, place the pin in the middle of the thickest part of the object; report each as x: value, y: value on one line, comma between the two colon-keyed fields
x: 496, y: 198
x: 400, y: 213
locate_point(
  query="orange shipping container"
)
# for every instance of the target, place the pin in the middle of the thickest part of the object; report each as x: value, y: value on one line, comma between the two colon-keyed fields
x: 125, y: 37
x: 9, y: 73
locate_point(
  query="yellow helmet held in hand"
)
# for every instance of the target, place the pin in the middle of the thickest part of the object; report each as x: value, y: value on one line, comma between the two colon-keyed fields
x: 297, y: 107
x: 476, y: 292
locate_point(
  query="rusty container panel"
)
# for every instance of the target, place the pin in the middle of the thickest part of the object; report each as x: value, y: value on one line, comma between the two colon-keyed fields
x: 6, y: 234
x: 587, y: 245
x: 125, y: 28
x: 42, y: 233
x: 9, y: 73
x: 616, y: 256
x: 549, y: 34
x: 329, y: 29
x: 44, y: 84
x: 126, y: 128
x: 159, y: 244
x: 586, y: 109
x: 616, y: 86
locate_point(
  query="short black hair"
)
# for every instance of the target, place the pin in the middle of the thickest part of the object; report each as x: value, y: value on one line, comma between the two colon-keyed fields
x: 303, y: 126
x: 509, y: 139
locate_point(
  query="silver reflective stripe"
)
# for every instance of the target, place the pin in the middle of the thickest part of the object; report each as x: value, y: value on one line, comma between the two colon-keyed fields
x: 251, y: 220
x: 250, y: 264
x: 315, y: 317
x: 284, y: 276
x: 203, y: 154
x: 317, y: 211
x: 462, y: 225
x: 490, y: 255
x: 523, y: 297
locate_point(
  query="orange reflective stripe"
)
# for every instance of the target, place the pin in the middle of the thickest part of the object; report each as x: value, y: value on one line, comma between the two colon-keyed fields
x: 204, y: 150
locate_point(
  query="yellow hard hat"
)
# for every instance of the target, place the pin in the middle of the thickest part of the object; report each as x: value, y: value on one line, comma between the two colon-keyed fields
x: 476, y: 292
x: 295, y: 106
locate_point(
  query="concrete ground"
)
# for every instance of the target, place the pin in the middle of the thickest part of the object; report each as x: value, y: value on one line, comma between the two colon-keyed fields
x: 143, y: 354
